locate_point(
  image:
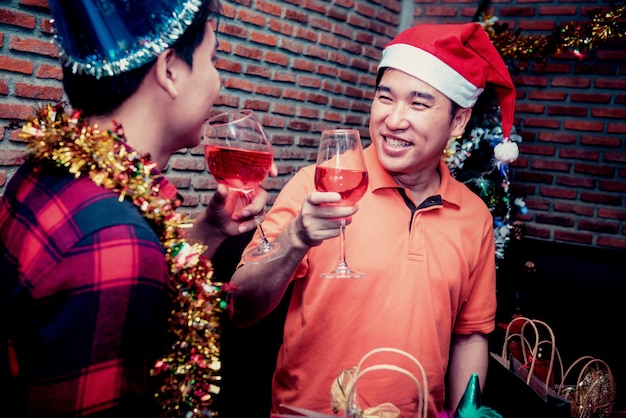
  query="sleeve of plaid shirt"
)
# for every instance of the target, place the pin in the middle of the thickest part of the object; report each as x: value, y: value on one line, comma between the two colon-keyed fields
x: 89, y: 301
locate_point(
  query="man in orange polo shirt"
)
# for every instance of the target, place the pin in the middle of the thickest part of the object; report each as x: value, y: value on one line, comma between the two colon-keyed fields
x: 424, y: 240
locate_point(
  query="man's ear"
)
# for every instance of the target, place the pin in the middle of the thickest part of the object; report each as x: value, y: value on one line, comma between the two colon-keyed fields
x: 460, y: 120
x: 166, y: 73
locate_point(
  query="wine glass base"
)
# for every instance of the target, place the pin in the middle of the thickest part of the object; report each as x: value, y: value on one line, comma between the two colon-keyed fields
x: 263, y: 253
x: 342, y: 274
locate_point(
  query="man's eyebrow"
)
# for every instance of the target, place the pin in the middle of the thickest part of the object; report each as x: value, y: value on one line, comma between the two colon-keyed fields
x: 412, y: 93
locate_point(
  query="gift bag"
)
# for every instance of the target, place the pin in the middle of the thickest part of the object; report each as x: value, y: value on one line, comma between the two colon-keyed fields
x: 344, y: 392
x: 385, y: 409
x: 517, y: 389
x: 592, y: 394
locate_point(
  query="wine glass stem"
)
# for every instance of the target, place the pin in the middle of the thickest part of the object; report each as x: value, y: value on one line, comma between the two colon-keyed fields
x: 342, y: 245
x: 264, y: 243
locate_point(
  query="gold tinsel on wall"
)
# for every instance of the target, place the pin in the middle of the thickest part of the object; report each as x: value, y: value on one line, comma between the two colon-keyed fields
x: 604, y: 28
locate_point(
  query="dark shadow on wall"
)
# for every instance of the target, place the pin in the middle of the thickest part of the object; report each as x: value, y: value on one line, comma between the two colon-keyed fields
x: 580, y: 291
x: 248, y: 354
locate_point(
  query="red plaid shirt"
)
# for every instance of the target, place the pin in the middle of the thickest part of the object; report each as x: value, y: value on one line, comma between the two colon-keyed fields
x: 84, y: 300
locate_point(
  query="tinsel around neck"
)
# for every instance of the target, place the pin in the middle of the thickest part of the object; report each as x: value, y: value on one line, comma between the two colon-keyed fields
x: 188, y: 373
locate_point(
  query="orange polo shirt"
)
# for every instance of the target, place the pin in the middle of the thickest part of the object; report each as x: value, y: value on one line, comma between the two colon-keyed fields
x: 423, y: 283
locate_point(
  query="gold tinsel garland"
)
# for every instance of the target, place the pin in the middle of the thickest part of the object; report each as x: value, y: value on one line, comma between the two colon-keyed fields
x: 188, y: 373
x: 603, y: 28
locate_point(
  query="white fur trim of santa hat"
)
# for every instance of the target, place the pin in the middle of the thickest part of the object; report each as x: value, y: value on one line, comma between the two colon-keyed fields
x: 431, y: 70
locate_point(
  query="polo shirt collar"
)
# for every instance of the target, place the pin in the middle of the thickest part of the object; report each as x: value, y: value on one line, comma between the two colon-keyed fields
x: 379, y: 178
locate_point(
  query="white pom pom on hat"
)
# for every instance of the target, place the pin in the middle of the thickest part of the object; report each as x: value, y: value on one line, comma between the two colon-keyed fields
x: 456, y: 59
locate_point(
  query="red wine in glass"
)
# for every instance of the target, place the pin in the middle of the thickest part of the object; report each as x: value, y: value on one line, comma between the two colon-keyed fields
x: 350, y: 184
x: 239, y: 155
x: 340, y: 168
x: 241, y: 170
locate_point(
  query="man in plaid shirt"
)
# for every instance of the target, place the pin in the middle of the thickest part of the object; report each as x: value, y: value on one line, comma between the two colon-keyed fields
x: 84, y: 278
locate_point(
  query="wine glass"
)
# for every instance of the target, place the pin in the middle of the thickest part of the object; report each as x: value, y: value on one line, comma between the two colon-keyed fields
x: 239, y: 155
x: 341, y: 168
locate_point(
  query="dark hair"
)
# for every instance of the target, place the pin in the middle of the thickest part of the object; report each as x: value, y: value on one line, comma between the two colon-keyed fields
x: 453, y: 105
x: 101, y: 96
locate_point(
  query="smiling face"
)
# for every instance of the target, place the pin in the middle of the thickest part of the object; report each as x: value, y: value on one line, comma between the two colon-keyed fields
x: 410, y: 125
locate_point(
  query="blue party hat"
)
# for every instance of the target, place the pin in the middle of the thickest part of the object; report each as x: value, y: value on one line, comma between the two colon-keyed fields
x: 109, y: 37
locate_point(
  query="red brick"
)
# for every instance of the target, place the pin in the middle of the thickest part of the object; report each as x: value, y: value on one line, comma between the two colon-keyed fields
x: 314, y: 6
x: 616, y: 128
x: 612, y: 186
x: 298, y: 16
x: 600, y: 141
x: 598, y: 226
x: 558, y: 11
x: 251, y: 17
x: 239, y: 84
x: 308, y: 81
x: 294, y: 94
x: 571, y: 207
x: 590, y: 98
x: 268, y: 91
x: 610, y: 83
x: 34, y: 46
x: 580, y: 125
x: 571, y: 82
x: 15, y: 18
x: 550, y: 165
x: 615, y: 157
x: 550, y: 123
x: 232, y: 30
x: 568, y: 111
x: 608, y: 112
x: 526, y: 176
x: 348, y: 76
x: 558, y: 193
x: 258, y: 71
x: 575, y: 237
x: 579, y: 153
x: 557, y: 137
x: 35, y: 3
x: 187, y: 164
x: 547, y: 95
x: 538, y: 231
x: 537, y: 149
x: 594, y: 169
x: 601, y: 198
x: 254, y: 104
x: 13, y: 157
x: 282, y: 109
x: 613, y: 242
x: 320, y: 99
x: 16, y: 65
x: 31, y: 91
x: 15, y: 111
x: 575, y: 181
x: 608, y: 213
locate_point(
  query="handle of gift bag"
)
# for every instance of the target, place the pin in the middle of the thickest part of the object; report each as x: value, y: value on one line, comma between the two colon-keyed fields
x: 591, y: 395
x: 422, y: 388
x: 555, y: 356
x: 351, y: 410
x: 510, y: 335
x: 581, y: 375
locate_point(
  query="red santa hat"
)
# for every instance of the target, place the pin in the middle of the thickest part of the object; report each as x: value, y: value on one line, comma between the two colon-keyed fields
x: 458, y: 60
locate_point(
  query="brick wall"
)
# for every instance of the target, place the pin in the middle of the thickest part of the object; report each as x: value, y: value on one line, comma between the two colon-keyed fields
x: 307, y: 65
